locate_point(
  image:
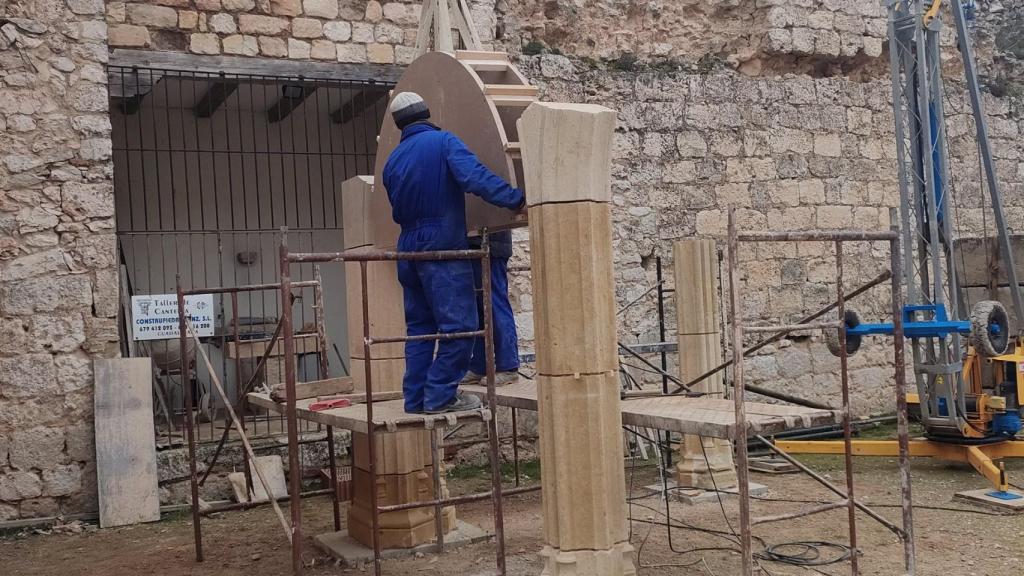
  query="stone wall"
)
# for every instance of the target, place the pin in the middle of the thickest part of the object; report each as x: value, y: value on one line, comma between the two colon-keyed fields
x: 746, y: 33
x: 380, y: 32
x: 58, y: 281
x: 791, y: 152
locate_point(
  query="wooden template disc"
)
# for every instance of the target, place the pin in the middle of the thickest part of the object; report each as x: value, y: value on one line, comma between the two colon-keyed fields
x: 477, y: 100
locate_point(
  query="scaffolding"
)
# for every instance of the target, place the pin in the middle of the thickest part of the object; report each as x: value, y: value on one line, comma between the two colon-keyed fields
x: 185, y: 331
x: 393, y: 416
x: 374, y: 413
x: 837, y: 237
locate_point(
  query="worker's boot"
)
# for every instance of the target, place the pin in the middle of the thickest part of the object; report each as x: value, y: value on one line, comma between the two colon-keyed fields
x: 470, y: 378
x: 500, y: 378
x: 507, y: 377
x: 460, y: 403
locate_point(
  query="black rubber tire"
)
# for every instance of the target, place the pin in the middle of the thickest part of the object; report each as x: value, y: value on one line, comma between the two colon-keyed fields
x: 851, y: 319
x: 985, y: 314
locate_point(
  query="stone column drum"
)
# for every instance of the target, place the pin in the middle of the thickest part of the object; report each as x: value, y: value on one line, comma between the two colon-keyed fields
x: 404, y: 472
x: 700, y: 350
x: 567, y: 162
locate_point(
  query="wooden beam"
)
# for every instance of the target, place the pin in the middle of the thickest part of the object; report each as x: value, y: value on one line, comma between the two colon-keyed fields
x: 482, y: 55
x: 358, y: 104
x: 463, y: 26
x: 474, y: 39
x: 292, y: 96
x: 511, y: 90
x: 442, y: 27
x: 423, y: 32
x: 126, y: 475
x: 128, y: 89
x: 512, y: 101
x: 314, y: 389
x: 130, y: 105
x: 215, y: 96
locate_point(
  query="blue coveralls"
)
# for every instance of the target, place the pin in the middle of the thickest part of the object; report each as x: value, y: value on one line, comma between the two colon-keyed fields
x: 427, y: 177
x: 506, y: 341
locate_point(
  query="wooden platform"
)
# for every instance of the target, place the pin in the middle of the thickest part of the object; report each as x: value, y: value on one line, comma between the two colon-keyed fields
x: 710, y: 417
x: 388, y: 414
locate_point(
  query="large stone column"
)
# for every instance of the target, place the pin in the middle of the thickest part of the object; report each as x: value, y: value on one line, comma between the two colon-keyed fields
x: 567, y: 160
x: 700, y: 350
x: 404, y: 472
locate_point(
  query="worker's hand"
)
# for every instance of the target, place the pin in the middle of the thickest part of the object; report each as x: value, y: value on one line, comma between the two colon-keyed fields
x: 520, y: 213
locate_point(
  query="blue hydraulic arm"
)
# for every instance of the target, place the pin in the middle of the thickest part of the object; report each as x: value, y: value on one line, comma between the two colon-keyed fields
x: 940, y: 326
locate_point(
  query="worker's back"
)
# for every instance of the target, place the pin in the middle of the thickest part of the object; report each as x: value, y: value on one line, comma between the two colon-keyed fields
x: 427, y: 177
x: 422, y: 189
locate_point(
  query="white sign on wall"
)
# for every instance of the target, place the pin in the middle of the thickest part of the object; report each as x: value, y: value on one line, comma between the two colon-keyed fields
x: 155, y: 316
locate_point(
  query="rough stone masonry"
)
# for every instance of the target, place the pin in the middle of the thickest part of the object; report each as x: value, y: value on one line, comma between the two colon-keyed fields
x: 58, y: 281
x: 781, y: 107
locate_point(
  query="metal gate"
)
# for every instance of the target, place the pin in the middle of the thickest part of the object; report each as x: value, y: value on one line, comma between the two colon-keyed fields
x: 207, y: 170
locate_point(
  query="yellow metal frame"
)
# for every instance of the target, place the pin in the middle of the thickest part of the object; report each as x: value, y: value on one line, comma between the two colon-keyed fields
x: 987, y: 406
x: 932, y: 12
x: 980, y: 457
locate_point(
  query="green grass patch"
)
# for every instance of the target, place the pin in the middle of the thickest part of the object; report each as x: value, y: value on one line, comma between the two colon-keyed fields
x: 176, y: 515
x: 888, y: 431
x: 528, y: 470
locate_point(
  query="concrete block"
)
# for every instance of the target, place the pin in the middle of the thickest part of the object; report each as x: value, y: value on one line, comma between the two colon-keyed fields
x: 353, y: 554
x: 1012, y: 500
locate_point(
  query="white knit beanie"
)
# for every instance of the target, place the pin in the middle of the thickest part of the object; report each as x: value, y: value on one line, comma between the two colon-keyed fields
x: 408, y: 107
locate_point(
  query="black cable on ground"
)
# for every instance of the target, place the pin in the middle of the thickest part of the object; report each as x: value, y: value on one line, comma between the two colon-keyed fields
x: 714, y: 484
x: 681, y: 525
x: 806, y: 553
x: 668, y: 523
x: 730, y: 536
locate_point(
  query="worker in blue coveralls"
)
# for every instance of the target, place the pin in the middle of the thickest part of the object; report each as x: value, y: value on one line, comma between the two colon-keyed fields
x: 427, y: 177
x: 506, y: 341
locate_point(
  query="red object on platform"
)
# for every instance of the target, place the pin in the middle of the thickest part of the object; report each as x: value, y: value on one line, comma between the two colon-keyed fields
x: 322, y: 405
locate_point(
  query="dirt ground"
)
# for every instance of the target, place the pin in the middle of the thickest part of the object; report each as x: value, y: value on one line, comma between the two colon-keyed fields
x: 953, y: 538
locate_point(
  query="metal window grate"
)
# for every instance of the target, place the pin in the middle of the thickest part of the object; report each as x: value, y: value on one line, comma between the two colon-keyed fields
x: 207, y: 169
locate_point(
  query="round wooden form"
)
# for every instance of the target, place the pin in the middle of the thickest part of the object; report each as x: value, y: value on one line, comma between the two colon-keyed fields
x: 478, y: 96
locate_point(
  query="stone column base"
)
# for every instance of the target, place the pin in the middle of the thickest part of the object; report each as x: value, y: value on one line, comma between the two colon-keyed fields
x: 401, y: 529
x: 615, y: 562
x: 717, y: 471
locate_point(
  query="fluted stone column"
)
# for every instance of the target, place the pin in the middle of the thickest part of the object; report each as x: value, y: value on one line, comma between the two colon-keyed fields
x: 700, y: 350
x: 567, y: 162
x: 404, y: 472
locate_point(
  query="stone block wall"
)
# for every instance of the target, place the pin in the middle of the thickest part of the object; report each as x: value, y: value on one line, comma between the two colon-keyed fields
x: 58, y: 279
x: 380, y: 32
x: 744, y: 32
x: 792, y: 152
